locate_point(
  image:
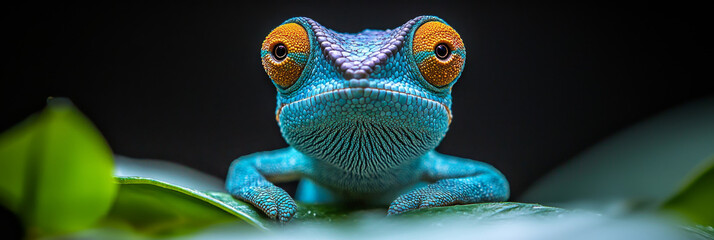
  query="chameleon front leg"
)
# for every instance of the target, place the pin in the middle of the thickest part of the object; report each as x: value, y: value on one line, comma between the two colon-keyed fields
x: 249, y: 179
x: 454, y: 181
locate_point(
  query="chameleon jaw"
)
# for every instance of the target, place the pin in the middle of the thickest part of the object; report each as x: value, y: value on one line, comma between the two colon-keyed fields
x: 361, y: 129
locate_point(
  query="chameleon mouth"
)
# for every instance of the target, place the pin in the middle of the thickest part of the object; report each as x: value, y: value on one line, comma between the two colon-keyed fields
x: 363, y: 95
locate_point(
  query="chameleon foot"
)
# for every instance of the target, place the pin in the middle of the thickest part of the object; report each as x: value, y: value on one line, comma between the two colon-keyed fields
x: 424, y: 197
x: 273, y: 201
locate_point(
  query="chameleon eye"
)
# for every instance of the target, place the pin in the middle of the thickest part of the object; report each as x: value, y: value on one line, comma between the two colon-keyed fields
x: 285, y: 52
x: 439, y: 53
x: 442, y: 51
x: 280, y: 51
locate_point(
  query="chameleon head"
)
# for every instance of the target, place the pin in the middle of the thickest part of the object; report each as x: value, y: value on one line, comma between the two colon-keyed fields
x: 365, y: 101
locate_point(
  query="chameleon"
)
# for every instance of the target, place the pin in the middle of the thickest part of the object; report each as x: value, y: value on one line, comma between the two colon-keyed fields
x: 362, y: 114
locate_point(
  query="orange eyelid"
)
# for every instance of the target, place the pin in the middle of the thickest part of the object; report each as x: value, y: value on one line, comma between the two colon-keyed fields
x: 286, y: 71
x: 436, y: 71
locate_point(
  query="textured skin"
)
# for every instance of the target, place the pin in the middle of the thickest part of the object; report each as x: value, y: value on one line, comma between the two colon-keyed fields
x: 362, y: 119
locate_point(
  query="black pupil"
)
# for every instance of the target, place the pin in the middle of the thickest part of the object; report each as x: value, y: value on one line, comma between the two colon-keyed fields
x: 442, y: 51
x: 280, y: 52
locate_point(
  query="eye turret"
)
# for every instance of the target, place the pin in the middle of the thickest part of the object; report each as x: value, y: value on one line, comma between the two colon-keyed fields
x: 439, y: 53
x: 285, y: 53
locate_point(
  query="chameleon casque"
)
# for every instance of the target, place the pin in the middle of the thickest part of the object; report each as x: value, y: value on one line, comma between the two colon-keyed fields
x: 362, y: 114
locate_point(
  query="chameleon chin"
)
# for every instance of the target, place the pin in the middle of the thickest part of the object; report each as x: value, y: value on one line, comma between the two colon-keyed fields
x: 362, y: 114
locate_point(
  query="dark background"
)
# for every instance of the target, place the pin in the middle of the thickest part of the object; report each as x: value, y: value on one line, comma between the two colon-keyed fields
x: 183, y: 82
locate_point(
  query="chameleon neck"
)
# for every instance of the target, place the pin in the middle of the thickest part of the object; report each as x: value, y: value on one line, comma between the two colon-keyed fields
x: 350, y: 181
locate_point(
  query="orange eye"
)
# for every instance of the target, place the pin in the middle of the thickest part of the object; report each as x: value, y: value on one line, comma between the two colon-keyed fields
x: 285, y: 53
x: 439, y: 52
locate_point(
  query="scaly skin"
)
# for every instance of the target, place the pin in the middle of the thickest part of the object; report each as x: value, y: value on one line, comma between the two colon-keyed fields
x: 362, y: 114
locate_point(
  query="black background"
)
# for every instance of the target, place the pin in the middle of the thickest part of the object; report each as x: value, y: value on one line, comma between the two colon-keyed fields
x: 183, y: 81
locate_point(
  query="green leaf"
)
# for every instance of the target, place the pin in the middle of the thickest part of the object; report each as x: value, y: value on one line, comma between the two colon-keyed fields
x: 56, y: 171
x: 161, y: 198
x: 309, y: 212
x: 636, y: 169
x: 148, y: 186
x: 695, y: 199
x: 168, y: 172
x: 489, y: 211
x: 159, y: 208
x: 701, y: 232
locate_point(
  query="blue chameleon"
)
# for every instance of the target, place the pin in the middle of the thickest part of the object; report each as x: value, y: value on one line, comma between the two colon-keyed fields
x: 362, y: 114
